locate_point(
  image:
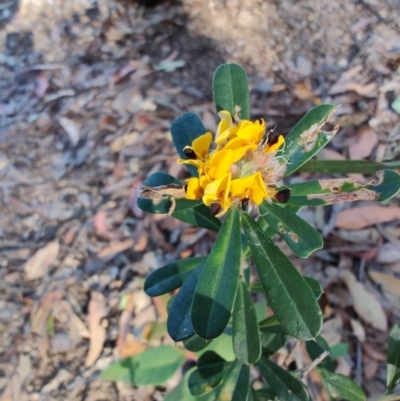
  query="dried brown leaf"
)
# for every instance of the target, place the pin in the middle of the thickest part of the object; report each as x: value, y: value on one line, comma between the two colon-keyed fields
x: 71, y: 128
x: 96, y: 313
x: 365, y: 303
x: 364, y: 143
x: 115, y: 248
x: 388, y: 282
x: 365, y: 216
x: 38, y: 265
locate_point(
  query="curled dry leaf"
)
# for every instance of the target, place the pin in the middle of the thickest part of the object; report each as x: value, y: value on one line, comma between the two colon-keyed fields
x: 365, y: 303
x: 365, y: 216
x: 115, y: 248
x: 38, y: 265
x: 97, y: 312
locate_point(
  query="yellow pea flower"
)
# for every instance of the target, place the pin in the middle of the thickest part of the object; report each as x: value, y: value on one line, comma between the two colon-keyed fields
x: 218, y: 192
x: 194, y: 190
x: 251, y: 187
x: 198, y: 152
x: 274, y: 147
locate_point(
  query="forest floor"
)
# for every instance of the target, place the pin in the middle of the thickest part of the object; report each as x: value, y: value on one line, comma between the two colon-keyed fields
x: 88, y: 91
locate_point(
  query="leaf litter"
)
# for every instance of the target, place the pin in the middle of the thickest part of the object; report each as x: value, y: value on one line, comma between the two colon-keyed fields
x: 85, y: 117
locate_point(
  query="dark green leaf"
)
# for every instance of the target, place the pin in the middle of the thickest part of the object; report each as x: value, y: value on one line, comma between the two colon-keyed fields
x: 198, y: 216
x: 184, y: 130
x: 269, y: 322
x: 171, y: 276
x: 265, y: 393
x: 246, y: 335
x: 341, y: 387
x: 325, y: 192
x: 216, y: 289
x: 307, y: 138
x: 231, y: 90
x: 179, y: 324
x: 195, y: 343
x: 347, y: 166
x: 282, y: 383
x: 315, y: 286
x: 273, y: 338
x: 236, y: 383
x: 316, y: 348
x: 253, y: 396
x: 151, y: 367
x: 393, y: 358
x: 288, y: 294
x: 297, y: 233
x: 209, y: 373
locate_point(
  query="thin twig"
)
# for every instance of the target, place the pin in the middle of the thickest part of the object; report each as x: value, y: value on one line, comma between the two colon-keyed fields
x: 305, y: 371
x: 289, y: 357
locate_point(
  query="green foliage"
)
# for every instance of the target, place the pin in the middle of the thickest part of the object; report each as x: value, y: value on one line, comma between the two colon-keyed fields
x: 216, y: 289
x: 152, y: 366
x: 231, y: 90
x: 393, y: 358
x: 214, y: 312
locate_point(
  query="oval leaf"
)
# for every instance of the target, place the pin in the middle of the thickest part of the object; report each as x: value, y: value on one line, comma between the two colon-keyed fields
x: 245, y: 332
x: 282, y: 383
x: 198, y: 216
x: 195, y: 343
x: 289, y: 296
x: 307, y: 138
x: 341, y: 387
x: 231, y: 90
x: 151, y: 367
x: 171, y: 276
x: 297, y: 233
x: 236, y: 384
x: 210, y: 372
x: 216, y: 289
x: 393, y: 358
x: 179, y: 324
x: 184, y: 130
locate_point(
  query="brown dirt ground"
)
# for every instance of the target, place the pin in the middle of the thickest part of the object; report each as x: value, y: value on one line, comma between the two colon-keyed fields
x: 86, y: 101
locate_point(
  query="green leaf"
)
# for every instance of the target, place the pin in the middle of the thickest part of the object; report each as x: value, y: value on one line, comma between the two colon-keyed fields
x: 222, y: 345
x: 171, y: 276
x: 253, y: 396
x: 366, y: 167
x: 325, y: 192
x: 181, y: 392
x: 282, y: 383
x: 231, y: 90
x: 195, y: 343
x: 316, y: 348
x: 273, y: 338
x: 236, y: 383
x: 339, y: 350
x: 151, y: 367
x: 297, y: 233
x: 315, y: 286
x: 306, y: 138
x: 246, y: 335
x: 288, y: 294
x: 216, y: 289
x: 198, y: 216
x: 184, y: 130
x: 209, y: 373
x: 341, y: 387
x: 393, y: 358
x: 179, y: 324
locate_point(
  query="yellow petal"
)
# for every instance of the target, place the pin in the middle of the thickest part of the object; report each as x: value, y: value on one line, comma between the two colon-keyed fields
x: 252, y: 132
x: 218, y: 191
x: 273, y: 148
x: 201, y: 145
x: 219, y: 163
x: 241, y: 186
x: 258, y: 191
x: 194, y: 189
x: 191, y: 162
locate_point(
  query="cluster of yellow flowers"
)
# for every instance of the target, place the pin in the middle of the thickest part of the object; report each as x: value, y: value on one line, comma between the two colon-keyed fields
x: 242, y: 165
